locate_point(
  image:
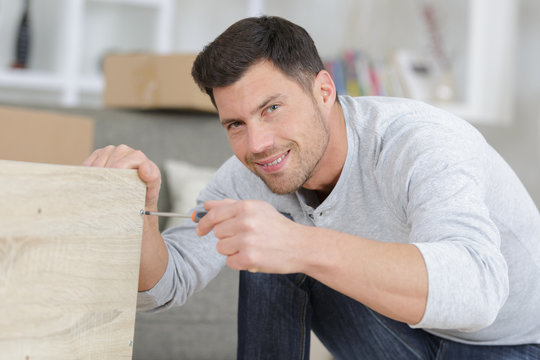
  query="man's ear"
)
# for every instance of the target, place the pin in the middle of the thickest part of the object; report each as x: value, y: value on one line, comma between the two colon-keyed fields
x: 325, y: 89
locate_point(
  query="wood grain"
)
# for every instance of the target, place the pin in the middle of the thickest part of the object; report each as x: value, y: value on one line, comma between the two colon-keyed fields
x: 69, y: 260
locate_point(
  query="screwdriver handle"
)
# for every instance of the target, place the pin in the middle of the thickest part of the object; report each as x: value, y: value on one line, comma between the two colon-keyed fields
x: 198, y: 215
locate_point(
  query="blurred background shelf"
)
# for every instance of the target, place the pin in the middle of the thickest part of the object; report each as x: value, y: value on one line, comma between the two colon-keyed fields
x: 30, y: 79
x: 70, y: 38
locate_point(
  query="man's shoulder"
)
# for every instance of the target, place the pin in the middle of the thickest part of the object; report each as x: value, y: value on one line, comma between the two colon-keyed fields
x: 389, y: 116
x: 383, y: 110
x: 234, y: 176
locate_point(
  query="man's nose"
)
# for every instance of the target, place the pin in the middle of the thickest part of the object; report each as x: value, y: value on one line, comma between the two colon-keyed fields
x: 260, y: 138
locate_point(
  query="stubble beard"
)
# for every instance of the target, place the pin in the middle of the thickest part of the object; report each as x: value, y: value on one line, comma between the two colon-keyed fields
x: 302, y: 165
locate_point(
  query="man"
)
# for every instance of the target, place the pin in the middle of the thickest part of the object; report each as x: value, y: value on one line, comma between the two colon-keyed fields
x: 411, y: 237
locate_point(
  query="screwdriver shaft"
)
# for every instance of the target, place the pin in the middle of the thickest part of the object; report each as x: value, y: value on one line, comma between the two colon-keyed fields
x: 165, y: 214
x: 196, y: 216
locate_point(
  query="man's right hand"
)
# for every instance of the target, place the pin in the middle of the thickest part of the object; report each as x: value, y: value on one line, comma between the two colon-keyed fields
x: 124, y: 157
x: 154, y: 253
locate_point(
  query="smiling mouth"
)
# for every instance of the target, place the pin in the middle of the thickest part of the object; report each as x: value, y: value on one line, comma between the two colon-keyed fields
x: 275, y: 162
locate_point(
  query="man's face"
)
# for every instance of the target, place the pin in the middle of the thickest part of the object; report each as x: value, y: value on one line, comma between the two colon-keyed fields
x: 274, y: 127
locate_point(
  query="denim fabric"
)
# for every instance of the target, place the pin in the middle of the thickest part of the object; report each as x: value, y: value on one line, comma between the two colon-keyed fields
x: 277, y: 312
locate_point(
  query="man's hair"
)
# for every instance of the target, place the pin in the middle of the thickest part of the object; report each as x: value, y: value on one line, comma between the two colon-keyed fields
x: 249, y: 41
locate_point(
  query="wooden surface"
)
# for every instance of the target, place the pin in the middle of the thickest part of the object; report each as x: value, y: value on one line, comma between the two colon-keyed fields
x: 69, y: 260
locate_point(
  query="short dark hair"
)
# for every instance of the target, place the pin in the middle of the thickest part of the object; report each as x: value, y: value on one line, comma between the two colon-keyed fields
x: 248, y: 41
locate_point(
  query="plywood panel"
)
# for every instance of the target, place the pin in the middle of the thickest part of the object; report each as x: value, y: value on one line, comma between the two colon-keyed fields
x: 69, y: 259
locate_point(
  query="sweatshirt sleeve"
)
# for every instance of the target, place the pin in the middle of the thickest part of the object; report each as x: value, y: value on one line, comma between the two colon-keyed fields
x: 193, y: 261
x: 451, y: 226
x: 440, y: 180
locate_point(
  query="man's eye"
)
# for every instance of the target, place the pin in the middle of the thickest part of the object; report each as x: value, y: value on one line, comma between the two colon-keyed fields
x: 234, y: 125
x: 272, y: 108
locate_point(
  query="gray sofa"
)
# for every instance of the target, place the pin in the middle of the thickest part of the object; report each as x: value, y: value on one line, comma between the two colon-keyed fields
x: 205, y: 327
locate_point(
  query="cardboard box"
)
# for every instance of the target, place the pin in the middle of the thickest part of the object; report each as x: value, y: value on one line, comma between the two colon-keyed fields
x: 149, y: 81
x: 46, y: 137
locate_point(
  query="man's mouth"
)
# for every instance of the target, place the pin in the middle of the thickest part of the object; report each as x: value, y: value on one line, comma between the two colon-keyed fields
x: 274, y: 164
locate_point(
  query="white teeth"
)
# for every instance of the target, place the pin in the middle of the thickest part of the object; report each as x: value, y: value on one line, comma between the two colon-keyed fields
x: 277, y: 161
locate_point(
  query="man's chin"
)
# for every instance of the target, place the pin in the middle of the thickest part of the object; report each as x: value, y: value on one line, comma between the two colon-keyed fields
x: 280, y: 186
x: 278, y: 183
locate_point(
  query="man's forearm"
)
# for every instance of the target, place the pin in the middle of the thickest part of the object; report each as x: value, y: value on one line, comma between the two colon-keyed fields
x: 390, y: 278
x: 154, y: 254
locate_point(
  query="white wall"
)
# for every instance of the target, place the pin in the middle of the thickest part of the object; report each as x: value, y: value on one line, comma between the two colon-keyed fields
x: 520, y: 143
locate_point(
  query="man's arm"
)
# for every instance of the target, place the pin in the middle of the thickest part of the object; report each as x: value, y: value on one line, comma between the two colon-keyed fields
x: 390, y: 278
x: 154, y: 253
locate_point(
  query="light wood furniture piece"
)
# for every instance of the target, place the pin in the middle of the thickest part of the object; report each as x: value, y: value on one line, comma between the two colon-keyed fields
x: 69, y: 261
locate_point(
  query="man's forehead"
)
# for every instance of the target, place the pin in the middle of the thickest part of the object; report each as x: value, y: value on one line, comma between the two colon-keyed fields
x: 254, y: 89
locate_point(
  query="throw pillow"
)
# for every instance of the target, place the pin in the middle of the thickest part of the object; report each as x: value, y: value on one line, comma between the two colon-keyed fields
x: 185, y: 181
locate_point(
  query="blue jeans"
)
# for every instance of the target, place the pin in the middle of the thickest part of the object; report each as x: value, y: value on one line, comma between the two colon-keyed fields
x: 277, y: 312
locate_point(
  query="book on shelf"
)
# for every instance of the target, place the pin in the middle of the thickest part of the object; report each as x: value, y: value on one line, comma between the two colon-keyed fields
x: 356, y: 73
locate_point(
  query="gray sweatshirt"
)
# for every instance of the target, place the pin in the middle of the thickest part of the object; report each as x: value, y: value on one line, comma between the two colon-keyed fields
x: 413, y: 174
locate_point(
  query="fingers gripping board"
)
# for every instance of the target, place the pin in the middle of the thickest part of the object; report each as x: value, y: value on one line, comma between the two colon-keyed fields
x: 70, y: 240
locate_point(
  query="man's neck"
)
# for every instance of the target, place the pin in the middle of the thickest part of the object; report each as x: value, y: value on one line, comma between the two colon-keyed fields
x: 329, y: 168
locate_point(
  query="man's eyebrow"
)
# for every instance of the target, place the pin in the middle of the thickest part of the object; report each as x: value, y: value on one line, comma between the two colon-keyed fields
x: 261, y: 106
x: 265, y: 103
x: 226, y: 122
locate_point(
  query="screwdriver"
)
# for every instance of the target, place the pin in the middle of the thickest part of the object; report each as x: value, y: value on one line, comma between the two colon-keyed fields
x: 196, y: 216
